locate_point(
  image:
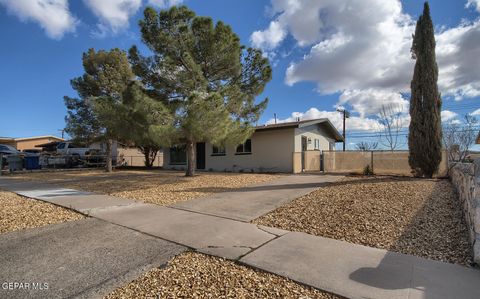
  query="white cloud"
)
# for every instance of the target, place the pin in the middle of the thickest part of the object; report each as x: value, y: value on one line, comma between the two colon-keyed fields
x: 114, y: 15
x: 354, y: 123
x: 164, y: 3
x: 370, y: 101
x: 476, y: 112
x: 474, y: 4
x: 458, y: 50
x: 53, y: 16
x: 448, y: 115
x: 270, y: 38
x: 364, y: 53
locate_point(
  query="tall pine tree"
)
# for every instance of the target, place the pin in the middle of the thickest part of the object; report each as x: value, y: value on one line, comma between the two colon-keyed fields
x: 149, y: 122
x: 204, y: 75
x: 95, y: 115
x: 425, y: 131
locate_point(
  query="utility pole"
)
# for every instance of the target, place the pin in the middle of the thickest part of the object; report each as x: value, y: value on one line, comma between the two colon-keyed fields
x: 63, y: 131
x: 346, y: 115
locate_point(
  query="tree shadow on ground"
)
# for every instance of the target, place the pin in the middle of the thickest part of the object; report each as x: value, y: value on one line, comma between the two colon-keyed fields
x: 273, y: 185
x: 438, y: 231
x: 138, y: 180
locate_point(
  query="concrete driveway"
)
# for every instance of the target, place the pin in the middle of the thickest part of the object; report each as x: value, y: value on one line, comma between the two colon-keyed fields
x: 79, y: 259
x: 254, y: 201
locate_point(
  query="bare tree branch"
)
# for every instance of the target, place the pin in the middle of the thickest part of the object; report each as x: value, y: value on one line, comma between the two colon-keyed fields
x: 458, y: 138
x: 366, y: 146
x: 390, y: 119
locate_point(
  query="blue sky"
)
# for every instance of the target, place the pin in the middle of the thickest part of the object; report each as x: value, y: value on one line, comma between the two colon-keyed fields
x: 322, y: 56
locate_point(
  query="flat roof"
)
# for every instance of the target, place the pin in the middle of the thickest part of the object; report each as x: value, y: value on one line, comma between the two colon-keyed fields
x: 38, y: 137
x: 303, y: 123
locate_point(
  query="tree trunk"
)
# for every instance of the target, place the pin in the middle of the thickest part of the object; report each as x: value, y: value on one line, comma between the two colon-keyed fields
x: 146, y: 153
x: 150, y: 154
x: 190, y: 159
x: 108, y: 167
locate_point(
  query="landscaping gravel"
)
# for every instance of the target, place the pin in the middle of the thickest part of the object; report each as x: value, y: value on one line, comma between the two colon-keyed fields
x: 158, y: 187
x: 19, y: 212
x: 412, y: 216
x: 194, y: 275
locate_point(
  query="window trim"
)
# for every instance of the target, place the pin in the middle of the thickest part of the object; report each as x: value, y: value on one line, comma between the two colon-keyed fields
x: 218, y: 153
x: 243, y: 152
x: 176, y: 163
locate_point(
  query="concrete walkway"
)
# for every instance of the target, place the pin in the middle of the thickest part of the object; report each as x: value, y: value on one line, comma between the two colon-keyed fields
x: 254, y: 201
x: 342, y: 268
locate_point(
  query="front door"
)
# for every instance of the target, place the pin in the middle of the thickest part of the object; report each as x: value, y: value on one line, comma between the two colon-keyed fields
x: 304, y: 149
x: 201, y: 155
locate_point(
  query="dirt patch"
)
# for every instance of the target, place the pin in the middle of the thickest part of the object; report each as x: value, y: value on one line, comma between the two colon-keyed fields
x: 158, y: 187
x: 19, y: 212
x: 194, y: 275
x: 411, y: 216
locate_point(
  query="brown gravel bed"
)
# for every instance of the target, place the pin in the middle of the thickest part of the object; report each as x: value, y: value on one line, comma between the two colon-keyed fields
x: 158, y: 187
x: 412, y: 216
x: 194, y: 275
x: 19, y: 212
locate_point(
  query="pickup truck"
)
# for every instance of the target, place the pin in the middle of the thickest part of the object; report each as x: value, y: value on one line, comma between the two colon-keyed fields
x: 68, y: 148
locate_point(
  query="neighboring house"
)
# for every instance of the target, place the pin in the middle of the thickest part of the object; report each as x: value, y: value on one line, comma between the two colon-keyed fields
x: 478, y: 139
x: 127, y: 155
x: 29, y: 143
x: 132, y: 156
x: 7, y: 141
x: 272, y: 148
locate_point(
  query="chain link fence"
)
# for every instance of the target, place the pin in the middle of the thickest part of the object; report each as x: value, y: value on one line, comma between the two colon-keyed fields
x: 33, y: 162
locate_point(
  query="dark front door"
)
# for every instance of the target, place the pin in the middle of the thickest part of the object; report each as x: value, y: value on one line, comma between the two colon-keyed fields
x: 201, y: 155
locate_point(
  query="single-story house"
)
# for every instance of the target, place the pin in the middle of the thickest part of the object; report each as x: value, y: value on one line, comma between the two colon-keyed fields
x: 478, y: 138
x: 7, y: 141
x: 272, y: 148
x: 29, y: 143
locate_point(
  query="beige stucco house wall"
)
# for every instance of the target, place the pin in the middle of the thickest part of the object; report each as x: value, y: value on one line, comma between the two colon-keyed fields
x: 271, y: 152
x: 312, y: 133
x: 274, y: 148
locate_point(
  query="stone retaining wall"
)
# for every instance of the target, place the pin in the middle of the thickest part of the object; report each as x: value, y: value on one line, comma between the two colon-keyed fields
x: 466, y: 179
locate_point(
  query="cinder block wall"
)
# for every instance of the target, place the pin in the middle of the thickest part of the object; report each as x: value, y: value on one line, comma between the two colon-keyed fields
x: 382, y: 162
x: 466, y: 179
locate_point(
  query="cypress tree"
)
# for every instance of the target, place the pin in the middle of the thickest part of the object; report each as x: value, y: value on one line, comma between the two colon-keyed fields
x: 425, y: 131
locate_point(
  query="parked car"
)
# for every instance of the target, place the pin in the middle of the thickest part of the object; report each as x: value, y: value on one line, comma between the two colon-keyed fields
x: 7, y: 150
x: 68, y: 148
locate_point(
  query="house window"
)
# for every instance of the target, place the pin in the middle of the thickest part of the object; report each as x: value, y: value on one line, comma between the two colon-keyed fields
x: 317, y: 144
x: 244, y: 148
x: 218, y: 151
x: 178, y: 155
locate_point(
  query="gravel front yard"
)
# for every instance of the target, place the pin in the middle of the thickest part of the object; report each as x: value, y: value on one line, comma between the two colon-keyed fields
x: 411, y: 216
x: 19, y: 212
x: 155, y: 186
x: 194, y: 275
